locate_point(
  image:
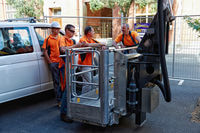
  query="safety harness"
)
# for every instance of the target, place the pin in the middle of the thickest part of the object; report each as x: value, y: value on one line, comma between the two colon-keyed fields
x: 84, y: 55
x: 48, y: 47
x: 131, y: 39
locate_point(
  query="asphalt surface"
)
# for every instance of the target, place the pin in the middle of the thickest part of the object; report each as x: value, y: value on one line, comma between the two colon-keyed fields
x: 38, y: 114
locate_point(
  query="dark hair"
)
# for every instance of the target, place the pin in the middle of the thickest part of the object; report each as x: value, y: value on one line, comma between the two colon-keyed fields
x: 87, y: 29
x: 68, y: 27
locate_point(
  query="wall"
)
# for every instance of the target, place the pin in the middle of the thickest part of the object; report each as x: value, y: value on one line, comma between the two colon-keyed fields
x: 102, y: 26
x: 2, y: 12
x: 6, y: 11
x: 189, y: 7
x: 68, y: 8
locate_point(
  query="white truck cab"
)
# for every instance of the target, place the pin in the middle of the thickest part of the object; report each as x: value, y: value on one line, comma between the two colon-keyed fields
x: 23, y: 69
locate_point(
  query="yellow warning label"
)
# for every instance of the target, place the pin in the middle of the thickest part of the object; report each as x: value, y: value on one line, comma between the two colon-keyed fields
x: 97, y: 91
x: 112, y: 85
x: 78, y: 100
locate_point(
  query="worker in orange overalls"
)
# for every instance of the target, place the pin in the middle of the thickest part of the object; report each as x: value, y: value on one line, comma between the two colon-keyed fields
x: 51, y: 54
x: 86, y: 58
x: 66, y: 42
x: 127, y: 37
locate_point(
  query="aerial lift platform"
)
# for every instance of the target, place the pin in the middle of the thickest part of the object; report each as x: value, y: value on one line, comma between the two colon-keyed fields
x: 128, y: 84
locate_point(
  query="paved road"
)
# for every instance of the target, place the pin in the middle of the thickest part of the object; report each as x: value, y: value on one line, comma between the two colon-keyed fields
x: 38, y: 114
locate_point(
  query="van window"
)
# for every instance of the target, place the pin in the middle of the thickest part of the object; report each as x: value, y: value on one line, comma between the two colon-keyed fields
x: 1, y: 40
x: 42, y: 33
x: 15, y: 41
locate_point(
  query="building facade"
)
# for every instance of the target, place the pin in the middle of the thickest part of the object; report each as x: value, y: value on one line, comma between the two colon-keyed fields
x: 72, y: 12
x: 6, y: 10
x: 69, y: 11
x: 64, y: 12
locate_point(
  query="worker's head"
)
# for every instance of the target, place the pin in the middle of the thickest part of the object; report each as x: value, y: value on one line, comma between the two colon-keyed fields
x: 89, y: 31
x: 55, y: 28
x: 69, y: 30
x: 125, y: 28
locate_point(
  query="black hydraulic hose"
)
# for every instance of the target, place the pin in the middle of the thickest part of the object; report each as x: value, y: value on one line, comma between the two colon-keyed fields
x: 162, y: 88
x: 162, y: 51
x: 167, y: 39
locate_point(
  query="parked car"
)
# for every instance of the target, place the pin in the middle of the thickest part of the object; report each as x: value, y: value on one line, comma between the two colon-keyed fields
x: 23, y: 68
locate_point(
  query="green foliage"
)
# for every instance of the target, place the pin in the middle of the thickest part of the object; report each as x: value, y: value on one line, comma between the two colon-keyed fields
x: 27, y: 8
x: 143, y: 3
x: 193, y: 23
x: 123, y: 4
x: 153, y: 7
x: 99, y: 4
x: 96, y: 5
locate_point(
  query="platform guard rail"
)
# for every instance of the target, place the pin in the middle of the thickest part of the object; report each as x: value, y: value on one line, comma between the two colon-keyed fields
x: 106, y: 102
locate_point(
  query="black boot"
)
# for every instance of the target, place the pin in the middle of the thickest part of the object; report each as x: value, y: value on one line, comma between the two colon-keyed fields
x: 64, y: 118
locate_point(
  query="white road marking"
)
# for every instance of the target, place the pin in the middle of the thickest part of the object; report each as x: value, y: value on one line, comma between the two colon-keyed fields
x: 180, y: 82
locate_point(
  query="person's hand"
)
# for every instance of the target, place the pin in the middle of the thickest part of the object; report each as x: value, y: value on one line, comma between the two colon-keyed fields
x: 78, y: 45
x: 49, y: 62
x: 117, y: 47
x: 102, y: 43
x: 62, y: 49
x: 122, y: 46
x: 104, y: 47
x: 84, y: 44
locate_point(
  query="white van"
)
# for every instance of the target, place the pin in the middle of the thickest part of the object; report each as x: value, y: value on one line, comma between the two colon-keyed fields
x: 23, y: 69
